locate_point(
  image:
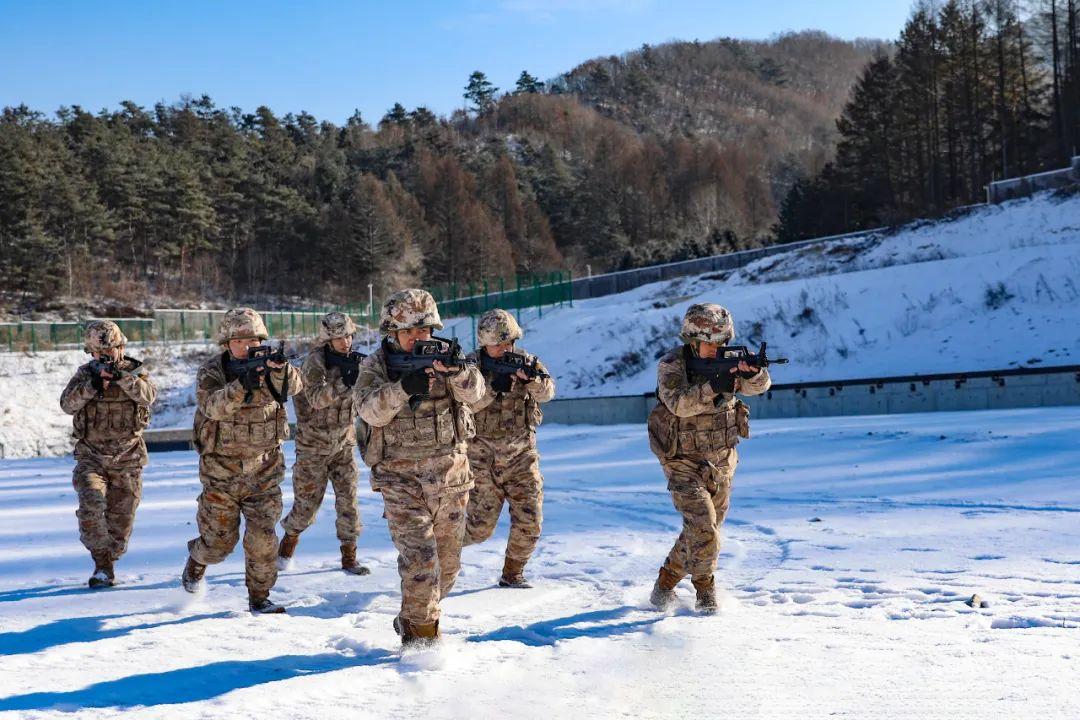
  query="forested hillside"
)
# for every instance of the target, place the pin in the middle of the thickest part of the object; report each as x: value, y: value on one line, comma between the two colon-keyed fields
x: 975, y: 91
x: 667, y: 152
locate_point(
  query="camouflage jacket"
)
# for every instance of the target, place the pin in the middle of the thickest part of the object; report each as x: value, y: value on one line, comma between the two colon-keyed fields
x: 227, y: 425
x: 439, y: 424
x: 510, y: 419
x: 690, y: 418
x: 325, y: 415
x: 111, y: 424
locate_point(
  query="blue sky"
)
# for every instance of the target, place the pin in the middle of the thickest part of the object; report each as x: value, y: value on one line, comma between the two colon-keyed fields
x: 330, y: 58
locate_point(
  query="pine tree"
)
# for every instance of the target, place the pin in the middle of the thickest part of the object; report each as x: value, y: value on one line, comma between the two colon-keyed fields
x: 480, y: 92
x: 526, y: 83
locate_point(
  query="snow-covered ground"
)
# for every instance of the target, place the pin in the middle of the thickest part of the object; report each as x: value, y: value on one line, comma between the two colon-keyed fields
x: 994, y: 289
x: 851, y: 546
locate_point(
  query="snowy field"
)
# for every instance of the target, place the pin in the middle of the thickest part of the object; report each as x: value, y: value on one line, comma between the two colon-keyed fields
x: 851, y: 546
x: 995, y: 289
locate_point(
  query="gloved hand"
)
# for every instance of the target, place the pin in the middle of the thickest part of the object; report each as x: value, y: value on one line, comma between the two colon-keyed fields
x: 502, y: 383
x: 98, y: 383
x: 349, y: 376
x: 415, y: 383
x: 722, y: 383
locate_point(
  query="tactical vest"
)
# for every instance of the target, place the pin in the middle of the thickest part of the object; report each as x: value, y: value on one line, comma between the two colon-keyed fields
x: 113, y: 416
x: 509, y: 415
x: 252, y: 430
x: 329, y: 427
x: 435, y: 427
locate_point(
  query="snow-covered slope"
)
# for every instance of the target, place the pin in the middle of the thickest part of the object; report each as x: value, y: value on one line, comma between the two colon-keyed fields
x: 996, y: 288
x: 849, y: 550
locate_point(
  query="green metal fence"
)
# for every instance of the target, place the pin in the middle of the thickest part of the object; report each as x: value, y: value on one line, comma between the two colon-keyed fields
x: 465, y: 300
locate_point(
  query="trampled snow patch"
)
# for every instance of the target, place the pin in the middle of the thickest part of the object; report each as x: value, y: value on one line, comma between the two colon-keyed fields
x: 851, y: 548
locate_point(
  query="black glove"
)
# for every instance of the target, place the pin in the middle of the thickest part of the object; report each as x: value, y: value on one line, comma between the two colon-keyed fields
x: 415, y: 383
x: 502, y: 383
x: 747, y: 374
x: 98, y: 383
x: 349, y: 376
x: 722, y: 383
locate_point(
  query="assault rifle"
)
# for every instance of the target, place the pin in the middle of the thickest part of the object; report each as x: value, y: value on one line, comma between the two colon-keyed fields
x: 509, y: 364
x: 423, y: 356
x: 107, y: 364
x: 254, y: 368
x: 728, y: 357
x: 347, y: 363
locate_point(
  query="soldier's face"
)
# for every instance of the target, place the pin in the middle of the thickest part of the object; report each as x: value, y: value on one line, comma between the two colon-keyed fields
x: 407, y: 338
x: 238, y: 347
x: 341, y: 344
x: 497, y: 351
x: 115, y: 354
x: 707, y: 350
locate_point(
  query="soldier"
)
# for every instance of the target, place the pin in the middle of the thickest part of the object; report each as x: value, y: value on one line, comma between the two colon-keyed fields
x: 413, y: 436
x: 325, y: 437
x: 240, y: 424
x: 693, y: 430
x: 110, y: 398
x: 502, y: 457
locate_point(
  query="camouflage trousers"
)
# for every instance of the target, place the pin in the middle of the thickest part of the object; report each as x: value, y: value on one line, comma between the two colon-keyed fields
x: 424, y: 505
x: 108, y: 497
x: 702, y: 494
x: 233, y: 487
x: 311, y: 473
x: 517, y: 481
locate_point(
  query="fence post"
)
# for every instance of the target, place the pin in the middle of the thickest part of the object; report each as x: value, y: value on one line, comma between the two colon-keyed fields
x: 570, y: 286
x: 539, y: 298
x: 33, y: 339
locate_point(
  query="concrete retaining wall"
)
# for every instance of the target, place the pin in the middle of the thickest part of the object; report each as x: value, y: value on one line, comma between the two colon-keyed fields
x: 981, y: 391
x: 874, y: 396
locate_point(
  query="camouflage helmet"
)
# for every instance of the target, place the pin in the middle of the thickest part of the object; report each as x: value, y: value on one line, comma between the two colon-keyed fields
x: 407, y: 309
x: 496, y: 327
x: 707, y: 322
x: 334, y: 325
x: 102, y: 335
x: 240, y: 323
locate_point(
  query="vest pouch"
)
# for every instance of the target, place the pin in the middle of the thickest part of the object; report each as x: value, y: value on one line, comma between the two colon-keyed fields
x: 370, y: 440
x: 663, y: 432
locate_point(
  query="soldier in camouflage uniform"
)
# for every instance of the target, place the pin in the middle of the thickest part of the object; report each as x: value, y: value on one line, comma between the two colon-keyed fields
x: 325, y: 437
x: 413, y: 436
x: 502, y: 457
x: 111, y: 408
x: 693, y: 430
x: 240, y: 424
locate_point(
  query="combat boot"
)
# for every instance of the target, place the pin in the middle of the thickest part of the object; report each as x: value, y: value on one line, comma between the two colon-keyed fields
x: 663, y: 592
x: 513, y: 574
x: 415, y: 635
x: 192, y: 575
x: 264, y: 606
x: 348, y: 560
x: 103, y: 573
x: 706, y: 596
x: 286, y: 550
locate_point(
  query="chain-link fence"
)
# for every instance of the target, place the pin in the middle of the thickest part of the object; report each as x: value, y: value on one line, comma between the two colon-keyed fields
x: 466, y: 300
